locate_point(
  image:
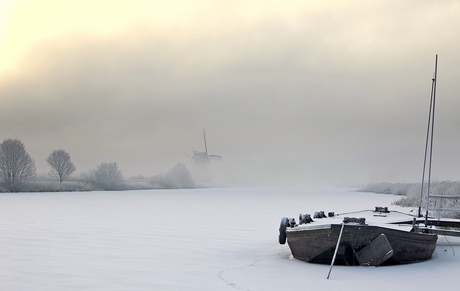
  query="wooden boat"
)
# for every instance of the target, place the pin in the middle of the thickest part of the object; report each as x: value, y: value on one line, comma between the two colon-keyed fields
x: 376, y: 237
x: 372, y: 238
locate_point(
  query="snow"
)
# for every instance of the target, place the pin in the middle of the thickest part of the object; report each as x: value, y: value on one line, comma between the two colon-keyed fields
x: 200, y: 239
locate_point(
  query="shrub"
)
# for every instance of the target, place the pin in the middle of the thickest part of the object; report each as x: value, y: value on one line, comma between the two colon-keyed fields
x: 107, y: 176
x: 178, y: 177
x: 412, y: 193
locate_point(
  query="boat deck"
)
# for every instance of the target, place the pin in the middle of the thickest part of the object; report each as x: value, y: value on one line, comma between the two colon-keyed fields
x: 391, y: 219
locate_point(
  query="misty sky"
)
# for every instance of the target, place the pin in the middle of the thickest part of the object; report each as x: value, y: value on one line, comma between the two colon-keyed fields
x: 311, y: 92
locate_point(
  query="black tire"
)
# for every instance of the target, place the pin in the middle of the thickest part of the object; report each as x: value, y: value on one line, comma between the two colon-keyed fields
x: 284, y: 223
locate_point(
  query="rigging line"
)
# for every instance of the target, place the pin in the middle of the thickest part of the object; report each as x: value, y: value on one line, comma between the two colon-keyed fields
x: 426, y: 150
x: 453, y: 250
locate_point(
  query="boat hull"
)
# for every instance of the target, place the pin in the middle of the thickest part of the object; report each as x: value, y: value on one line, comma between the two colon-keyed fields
x: 317, y: 244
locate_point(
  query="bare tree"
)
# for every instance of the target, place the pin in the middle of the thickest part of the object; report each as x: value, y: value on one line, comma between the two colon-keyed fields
x: 107, y: 176
x: 16, y: 165
x: 61, y: 165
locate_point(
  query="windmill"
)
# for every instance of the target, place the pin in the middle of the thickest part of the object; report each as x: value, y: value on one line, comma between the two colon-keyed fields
x: 201, y: 165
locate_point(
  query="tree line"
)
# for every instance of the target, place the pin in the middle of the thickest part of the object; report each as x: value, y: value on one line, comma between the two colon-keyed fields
x: 18, y: 170
x: 410, y: 194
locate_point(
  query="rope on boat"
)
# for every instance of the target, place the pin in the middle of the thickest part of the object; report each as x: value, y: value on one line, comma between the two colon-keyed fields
x: 373, y: 210
x: 453, y: 250
x: 336, y: 249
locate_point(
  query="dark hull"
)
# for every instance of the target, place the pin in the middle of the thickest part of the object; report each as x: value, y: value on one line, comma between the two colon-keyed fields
x: 317, y: 245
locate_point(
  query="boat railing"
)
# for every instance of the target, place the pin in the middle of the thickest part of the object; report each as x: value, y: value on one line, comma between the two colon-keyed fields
x: 438, y: 204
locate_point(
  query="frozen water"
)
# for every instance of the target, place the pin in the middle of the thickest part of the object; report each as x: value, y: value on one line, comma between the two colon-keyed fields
x: 200, y: 239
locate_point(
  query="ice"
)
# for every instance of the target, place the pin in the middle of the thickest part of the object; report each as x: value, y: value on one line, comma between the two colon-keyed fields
x: 199, y: 239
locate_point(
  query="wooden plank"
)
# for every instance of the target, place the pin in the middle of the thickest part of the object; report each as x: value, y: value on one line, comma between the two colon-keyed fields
x: 376, y: 252
x: 437, y: 231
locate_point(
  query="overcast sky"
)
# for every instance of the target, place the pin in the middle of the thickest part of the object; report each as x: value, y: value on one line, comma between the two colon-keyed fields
x: 311, y: 92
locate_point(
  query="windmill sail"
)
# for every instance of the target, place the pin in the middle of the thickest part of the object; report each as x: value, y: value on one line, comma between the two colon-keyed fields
x: 201, y: 165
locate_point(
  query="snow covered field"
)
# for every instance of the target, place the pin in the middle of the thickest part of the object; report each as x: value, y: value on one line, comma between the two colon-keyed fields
x: 200, y: 239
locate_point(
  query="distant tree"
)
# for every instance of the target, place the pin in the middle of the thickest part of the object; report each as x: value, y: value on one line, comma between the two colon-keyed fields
x: 16, y: 165
x: 107, y: 176
x: 178, y: 177
x: 61, y: 165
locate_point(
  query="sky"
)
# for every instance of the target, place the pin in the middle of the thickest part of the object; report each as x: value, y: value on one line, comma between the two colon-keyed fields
x: 308, y: 92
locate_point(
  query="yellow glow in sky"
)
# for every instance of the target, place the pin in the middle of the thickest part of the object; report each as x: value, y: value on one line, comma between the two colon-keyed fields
x: 24, y: 23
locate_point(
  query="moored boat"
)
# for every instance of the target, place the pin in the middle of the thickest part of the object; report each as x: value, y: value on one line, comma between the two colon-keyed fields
x: 375, y: 237
x: 372, y: 238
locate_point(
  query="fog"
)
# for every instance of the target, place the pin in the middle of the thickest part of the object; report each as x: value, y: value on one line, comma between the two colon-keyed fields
x: 312, y: 93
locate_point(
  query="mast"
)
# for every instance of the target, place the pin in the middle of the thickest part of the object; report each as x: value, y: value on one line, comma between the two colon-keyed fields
x: 430, y: 135
x: 430, y: 113
x: 205, y: 146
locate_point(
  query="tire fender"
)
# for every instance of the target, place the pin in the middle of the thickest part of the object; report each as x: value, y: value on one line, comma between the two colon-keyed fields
x: 283, y: 225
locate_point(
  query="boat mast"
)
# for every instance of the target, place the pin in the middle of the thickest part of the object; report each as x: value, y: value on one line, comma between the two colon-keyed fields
x: 430, y: 114
x: 429, y: 136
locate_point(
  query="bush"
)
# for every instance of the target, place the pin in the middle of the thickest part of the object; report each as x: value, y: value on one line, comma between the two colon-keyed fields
x: 56, y: 186
x: 178, y: 177
x: 107, y: 176
x: 389, y: 188
x: 412, y: 193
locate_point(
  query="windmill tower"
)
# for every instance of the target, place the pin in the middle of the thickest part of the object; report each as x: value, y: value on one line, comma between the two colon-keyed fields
x: 201, y: 165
